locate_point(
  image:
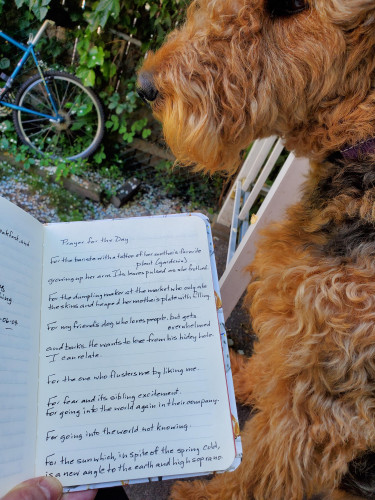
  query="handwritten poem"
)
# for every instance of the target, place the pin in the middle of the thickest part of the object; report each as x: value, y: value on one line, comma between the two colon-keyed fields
x: 128, y: 329
x: 21, y: 248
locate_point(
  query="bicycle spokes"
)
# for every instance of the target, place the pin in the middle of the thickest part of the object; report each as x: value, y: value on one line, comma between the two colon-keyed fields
x: 76, y: 129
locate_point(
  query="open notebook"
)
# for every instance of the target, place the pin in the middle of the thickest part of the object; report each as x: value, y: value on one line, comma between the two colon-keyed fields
x: 113, y: 356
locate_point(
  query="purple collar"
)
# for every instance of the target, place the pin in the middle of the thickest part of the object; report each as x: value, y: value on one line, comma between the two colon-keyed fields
x: 359, y: 150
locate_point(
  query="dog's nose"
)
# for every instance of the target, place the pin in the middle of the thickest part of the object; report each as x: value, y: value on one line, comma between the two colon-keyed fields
x: 145, y: 87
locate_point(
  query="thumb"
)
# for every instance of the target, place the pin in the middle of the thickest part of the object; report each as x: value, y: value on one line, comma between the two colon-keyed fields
x: 39, y: 488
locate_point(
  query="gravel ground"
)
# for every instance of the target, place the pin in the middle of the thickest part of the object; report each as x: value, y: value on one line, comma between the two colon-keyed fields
x: 149, y: 201
x: 17, y: 191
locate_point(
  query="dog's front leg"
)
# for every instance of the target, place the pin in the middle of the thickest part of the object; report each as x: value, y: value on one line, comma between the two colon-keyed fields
x: 235, y: 485
x: 244, y: 371
x: 270, y: 468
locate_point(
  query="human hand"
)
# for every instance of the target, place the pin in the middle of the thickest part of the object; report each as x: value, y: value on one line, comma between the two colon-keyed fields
x: 45, y: 488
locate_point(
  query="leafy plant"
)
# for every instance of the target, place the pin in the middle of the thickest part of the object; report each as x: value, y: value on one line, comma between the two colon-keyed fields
x: 39, y: 7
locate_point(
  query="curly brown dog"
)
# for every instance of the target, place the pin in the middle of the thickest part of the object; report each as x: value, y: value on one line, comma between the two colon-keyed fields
x: 244, y: 69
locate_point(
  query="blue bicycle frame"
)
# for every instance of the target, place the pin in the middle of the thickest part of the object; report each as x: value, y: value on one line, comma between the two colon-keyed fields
x: 29, y: 49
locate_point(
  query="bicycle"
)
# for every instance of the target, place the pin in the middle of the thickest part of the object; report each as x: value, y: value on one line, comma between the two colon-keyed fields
x: 53, y: 112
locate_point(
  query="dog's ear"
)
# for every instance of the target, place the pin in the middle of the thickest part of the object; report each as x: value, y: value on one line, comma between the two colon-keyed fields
x: 348, y: 12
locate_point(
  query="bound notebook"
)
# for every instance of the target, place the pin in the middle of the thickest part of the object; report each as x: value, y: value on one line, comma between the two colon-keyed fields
x: 113, y: 356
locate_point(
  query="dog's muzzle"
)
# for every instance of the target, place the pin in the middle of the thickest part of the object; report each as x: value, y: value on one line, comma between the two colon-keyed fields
x: 146, y: 88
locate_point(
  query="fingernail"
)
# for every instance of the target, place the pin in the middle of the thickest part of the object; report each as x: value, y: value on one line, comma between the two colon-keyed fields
x: 51, y: 488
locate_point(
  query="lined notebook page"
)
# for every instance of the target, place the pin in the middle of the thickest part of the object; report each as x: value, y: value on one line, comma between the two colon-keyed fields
x: 132, y: 381
x: 21, y: 244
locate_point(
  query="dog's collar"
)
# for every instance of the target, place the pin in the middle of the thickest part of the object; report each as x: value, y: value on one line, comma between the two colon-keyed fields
x: 359, y: 150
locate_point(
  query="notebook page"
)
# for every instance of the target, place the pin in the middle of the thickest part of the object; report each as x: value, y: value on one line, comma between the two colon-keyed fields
x: 131, y: 370
x: 21, y: 245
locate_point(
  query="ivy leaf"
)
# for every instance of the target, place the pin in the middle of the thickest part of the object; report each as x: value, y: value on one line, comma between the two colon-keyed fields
x: 146, y: 132
x: 4, y: 63
x: 103, y: 10
x: 83, y: 45
x: 153, y: 10
x: 89, y: 80
x: 123, y: 129
x: 100, y: 155
x: 109, y: 69
x: 138, y: 125
x: 42, y: 12
x: 95, y: 57
x: 128, y: 137
x: 4, y: 143
x: 113, y: 123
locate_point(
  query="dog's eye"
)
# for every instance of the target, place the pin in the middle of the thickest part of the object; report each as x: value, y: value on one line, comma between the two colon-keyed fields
x: 285, y: 8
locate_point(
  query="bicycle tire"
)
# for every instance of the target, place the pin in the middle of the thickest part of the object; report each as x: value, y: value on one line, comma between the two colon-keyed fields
x: 81, y: 131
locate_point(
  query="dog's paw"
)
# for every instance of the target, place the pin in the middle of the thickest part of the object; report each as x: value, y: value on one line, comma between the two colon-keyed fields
x: 242, y: 380
x: 189, y: 490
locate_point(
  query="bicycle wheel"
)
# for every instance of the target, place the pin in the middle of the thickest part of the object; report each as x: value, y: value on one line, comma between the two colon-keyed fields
x: 81, y: 129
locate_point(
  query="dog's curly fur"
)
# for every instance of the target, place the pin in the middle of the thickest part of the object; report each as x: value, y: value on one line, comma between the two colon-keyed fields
x: 238, y: 70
